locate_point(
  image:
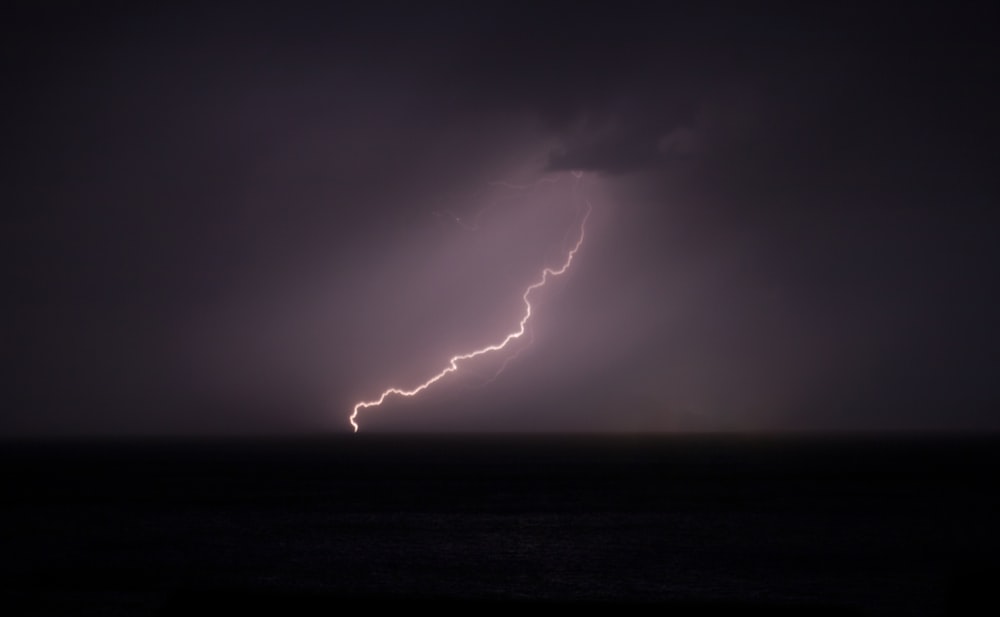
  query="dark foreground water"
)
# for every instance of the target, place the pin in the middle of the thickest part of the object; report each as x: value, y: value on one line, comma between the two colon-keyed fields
x: 676, y: 525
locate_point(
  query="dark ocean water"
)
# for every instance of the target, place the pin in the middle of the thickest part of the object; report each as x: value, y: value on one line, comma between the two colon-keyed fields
x: 689, y: 525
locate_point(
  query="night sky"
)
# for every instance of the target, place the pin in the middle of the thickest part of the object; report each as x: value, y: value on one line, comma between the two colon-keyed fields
x: 242, y: 218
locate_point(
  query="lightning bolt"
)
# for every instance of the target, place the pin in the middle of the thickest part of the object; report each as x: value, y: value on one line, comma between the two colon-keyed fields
x: 453, y: 363
x: 510, y: 359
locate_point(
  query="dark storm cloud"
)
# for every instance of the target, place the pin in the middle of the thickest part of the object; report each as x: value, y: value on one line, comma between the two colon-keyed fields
x: 850, y: 173
x: 224, y: 208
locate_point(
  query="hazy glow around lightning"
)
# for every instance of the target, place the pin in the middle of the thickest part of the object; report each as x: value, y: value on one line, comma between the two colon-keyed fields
x: 453, y: 363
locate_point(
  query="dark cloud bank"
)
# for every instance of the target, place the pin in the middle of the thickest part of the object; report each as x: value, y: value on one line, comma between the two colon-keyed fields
x: 238, y: 218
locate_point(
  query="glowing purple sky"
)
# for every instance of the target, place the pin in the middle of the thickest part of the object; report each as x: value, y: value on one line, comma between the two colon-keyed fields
x: 241, y: 219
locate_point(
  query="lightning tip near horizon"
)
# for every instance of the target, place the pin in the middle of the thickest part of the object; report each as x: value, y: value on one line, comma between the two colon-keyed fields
x: 540, y: 281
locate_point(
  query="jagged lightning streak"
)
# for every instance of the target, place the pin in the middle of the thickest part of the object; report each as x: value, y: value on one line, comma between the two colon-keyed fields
x: 453, y: 363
